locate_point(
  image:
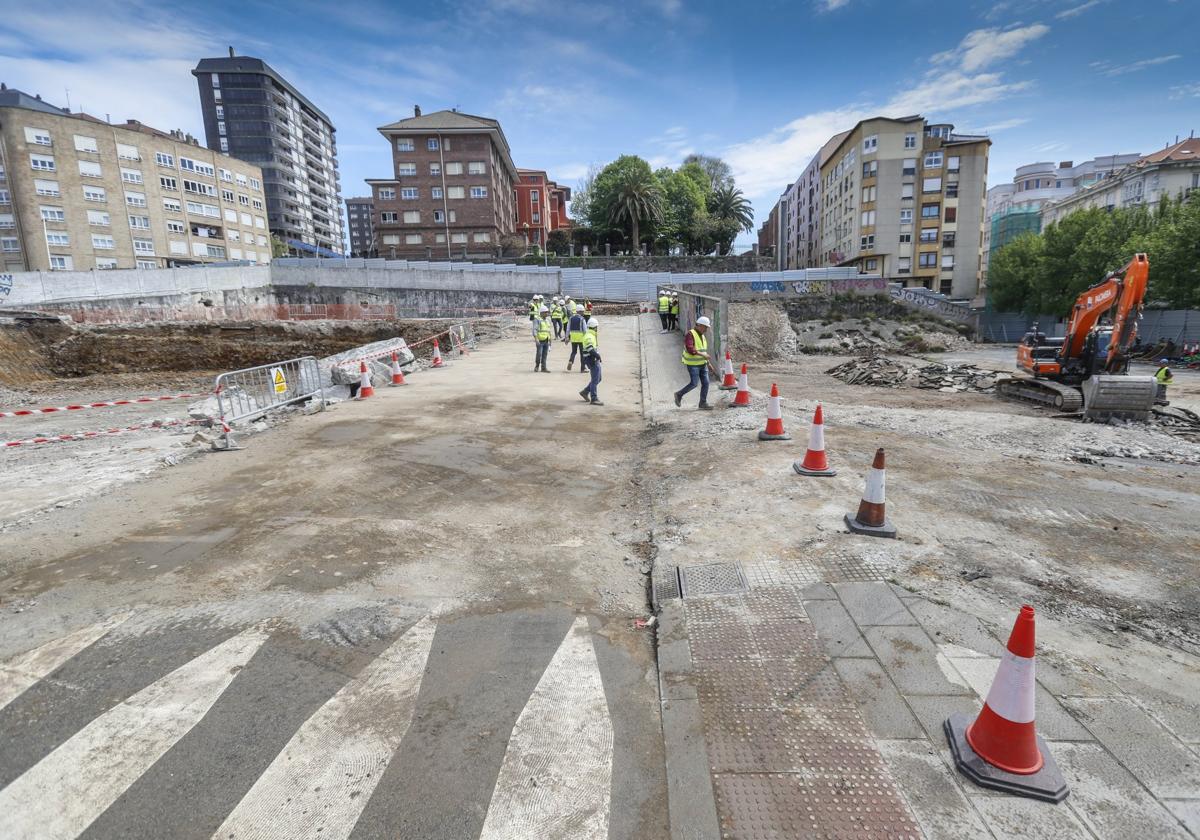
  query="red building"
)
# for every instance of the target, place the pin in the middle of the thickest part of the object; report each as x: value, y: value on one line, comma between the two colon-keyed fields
x: 541, y: 206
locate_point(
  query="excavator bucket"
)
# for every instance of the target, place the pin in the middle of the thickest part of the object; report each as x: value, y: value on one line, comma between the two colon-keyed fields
x: 1118, y: 397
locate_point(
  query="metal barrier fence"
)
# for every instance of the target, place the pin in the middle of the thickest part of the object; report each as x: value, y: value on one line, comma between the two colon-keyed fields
x: 691, y: 306
x: 249, y: 392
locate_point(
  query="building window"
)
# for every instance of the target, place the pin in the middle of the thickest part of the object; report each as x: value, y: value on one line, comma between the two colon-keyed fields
x: 435, y: 192
x: 458, y: 238
x: 948, y: 239
x: 946, y: 287
x: 143, y: 246
x: 10, y: 244
x: 227, y: 196
x: 927, y: 259
x: 903, y: 265
x: 403, y: 169
x: 409, y: 194
x: 947, y: 261
x: 172, y: 205
x: 435, y: 169
x: 199, y: 187
x: 439, y: 216
x: 454, y: 169
x: 220, y: 110
x: 869, y: 194
x: 256, y: 203
x: 142, y: 222
x: 246, y: 219
x: 7, y: 222
x: 868, y: 218
x: 867, y: 243
x: 933, y: 160
x: 432, y: 144
x: 135, y: 199
x: 146, y: 264
x: 42, y: 187
x: 53, y: 214
x: 256, y: 184
x: 178, y: 227
x: 952, y: 164
x: 131, y: 176
x: 476, y: 167
x: 906, y: 216
x: 905, y: 238
x: 105, y: 263
x: 404, y: 144
x: 220, y: 126
x: 38, y: 136
x: 872, y: 265
x: 103, y: 243
x: 225, y: 144
x: 870, y: 144
x: 61, y: 263
x: 243, y: 200
x: 126, y: 152
x: 166, y: 182
x: 58, y: 240
x: 483, y: 237
x: 951, y: 214
x: 929, y: 234
x: 536, y: 218
x: 42, y: 163
x: 199, y: 167
x: 412, y: 239
x: 952, y: 189
x: 94, y: 194
x: 870, y: 169
x: 479, y: 192
x: 910, y: 141
x: 386, y: 194
x: 930, y: 211
x: 456, y: 192
x: 412, y: 217
x: 227, y: 176
x: 86, y: 144
x: 388, y: 217
x: 931, y: 185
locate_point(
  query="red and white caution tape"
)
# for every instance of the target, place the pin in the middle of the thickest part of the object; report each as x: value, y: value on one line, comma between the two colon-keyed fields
x: 26, y: 412
x: 89, y: 435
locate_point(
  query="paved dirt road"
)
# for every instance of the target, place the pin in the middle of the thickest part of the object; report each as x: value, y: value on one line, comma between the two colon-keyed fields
x: 410, y: 616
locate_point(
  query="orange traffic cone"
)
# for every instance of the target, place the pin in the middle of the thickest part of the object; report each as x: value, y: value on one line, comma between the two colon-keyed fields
x: 728, y: 383
x: 743, y: 389
x: 774, y: 430
x: 365, y: 389
x: 871, y: 518
x: 437, y: 355
x: 397, y: 374
x: 815, y: 462
x: 1002, y: 749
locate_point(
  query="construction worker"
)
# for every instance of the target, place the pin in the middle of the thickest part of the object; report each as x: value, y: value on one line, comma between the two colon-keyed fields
x: 673, y: 320
x: 556, y: 317
x: 541, y: 337
x: 697, y: 362
x: 576, y: 328
x: 1164, y: 378
x: 568, y: 311
x: 664, y: 308
x: 591, y: 355
x: 587, y: 308
x: 534, y: 303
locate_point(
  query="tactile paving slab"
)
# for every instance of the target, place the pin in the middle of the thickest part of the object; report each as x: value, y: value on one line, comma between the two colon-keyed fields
x: 665, y: 581
x: 711, y: 579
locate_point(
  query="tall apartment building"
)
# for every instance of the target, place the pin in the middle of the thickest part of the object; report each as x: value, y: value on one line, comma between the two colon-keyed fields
x: 360, y: 216
x: 452, y: 192
x: 541, y: 206
x: 800, y: 213
x: 253, y: 113
x: 905, y: 198
x: 1173, y: 171
x: 77, y: 193
x: 768, y: 233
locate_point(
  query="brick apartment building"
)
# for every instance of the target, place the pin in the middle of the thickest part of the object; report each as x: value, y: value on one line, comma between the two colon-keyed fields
x: 541, y: 206
x: 453, y: 187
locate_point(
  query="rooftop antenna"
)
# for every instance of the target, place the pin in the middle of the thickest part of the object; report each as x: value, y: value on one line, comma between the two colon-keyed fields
x: 68, y: 90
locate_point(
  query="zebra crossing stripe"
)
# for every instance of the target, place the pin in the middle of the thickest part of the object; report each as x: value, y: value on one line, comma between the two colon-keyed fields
x: 20, y: 673
x: 557, y: 772
x: 60, y: 796
x: 320, y: 782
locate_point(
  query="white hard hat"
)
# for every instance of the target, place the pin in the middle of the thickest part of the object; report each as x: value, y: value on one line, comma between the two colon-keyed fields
x: 592, y: 322
x: 579, y: 307
x: 544, y: 308
x: 703, y: 321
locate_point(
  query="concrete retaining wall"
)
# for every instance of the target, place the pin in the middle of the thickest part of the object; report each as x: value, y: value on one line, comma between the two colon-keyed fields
x: 505, y: 280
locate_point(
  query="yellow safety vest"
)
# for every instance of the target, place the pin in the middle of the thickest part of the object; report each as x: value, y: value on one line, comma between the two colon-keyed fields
x: 664, y: 304
x: 590, y: 340
x: 674, y: 307
x: 556, y: 313
x: 701, y: 347
x: 1161, y: 376
x: 543, y: 328
x: 577, y: 335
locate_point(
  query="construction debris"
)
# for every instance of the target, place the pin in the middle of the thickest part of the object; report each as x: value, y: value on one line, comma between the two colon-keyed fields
x: 882, y: 372
x: 1177, y: 421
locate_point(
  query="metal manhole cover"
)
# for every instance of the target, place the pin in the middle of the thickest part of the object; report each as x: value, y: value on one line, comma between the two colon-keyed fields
x: 711, y: 579
x: 665, y: 582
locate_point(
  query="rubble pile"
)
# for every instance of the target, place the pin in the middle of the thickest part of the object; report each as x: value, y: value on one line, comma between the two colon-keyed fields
x: 1177, y: 421
x: 882, y: 372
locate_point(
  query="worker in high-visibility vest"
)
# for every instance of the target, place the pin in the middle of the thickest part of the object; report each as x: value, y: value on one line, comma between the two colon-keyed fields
x: 541, y: 337
x: 673, y: 321
x: 556, y: 317
x: 697, y: 362
x: 576, y: 328
x: 534, y: 303
x: 568, y: 311
x: 1165, y: 379
x: 591, y: 355
x: 664, y: 308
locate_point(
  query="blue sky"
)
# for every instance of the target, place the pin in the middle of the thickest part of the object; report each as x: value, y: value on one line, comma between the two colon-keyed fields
x: 762, y: 84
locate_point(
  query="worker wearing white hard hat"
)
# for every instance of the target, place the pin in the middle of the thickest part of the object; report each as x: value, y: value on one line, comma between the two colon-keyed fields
x: 542, y: 332
x: 576, y: 328
x: 697, y: 362
x: 591, y: 356
x: 556, y: 317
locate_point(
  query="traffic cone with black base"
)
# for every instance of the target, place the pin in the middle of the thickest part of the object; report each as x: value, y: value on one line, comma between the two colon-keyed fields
x: 728, y: 383
x: 1001, y: 749
x: 871, y: 518
x: 774, y: 430
x: 815, y: 461
x: 742, y: 397
x: 397, y: 374
x: 365, y: 388
x: 437, y: 355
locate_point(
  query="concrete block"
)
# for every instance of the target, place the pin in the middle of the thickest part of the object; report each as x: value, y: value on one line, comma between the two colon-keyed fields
x: 1144, y: 746
x: 929, y: 787
x: 818, y: 592
x: 882, y: 707
x: 932, y: 711
x: 836, y: 629
x: 912, y: 661
x: 945, y: 624
x: 1054, y: 723
x: 1187, y: 811
x: 1109, y: 799
x: 1172, y: 711
x: 873, y: 603
x: 690, y: 800
x: 1065, y: 678
x: 1018, y: 818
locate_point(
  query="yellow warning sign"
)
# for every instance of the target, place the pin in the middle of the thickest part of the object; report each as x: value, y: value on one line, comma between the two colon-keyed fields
x: 279, y: 380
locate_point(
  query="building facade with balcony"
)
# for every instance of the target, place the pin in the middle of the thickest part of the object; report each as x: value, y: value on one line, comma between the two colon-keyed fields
x: 905, y: 198
x: 359, y: 218
x: 541, y: 206
x: 78, y: 193
x: 253, y: 113
x: 799, y: 216
x: 452, y: 191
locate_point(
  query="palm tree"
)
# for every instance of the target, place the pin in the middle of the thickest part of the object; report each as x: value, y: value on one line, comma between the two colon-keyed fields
x: 728, y: 204
x: 637, y: 197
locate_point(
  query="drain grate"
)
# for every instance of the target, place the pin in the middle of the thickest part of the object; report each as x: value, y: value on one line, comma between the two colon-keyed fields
x: 711, y: 579
x: 665, y: 583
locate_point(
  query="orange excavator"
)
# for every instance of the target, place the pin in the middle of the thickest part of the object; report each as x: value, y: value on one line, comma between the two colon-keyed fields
x: 1089, y: 367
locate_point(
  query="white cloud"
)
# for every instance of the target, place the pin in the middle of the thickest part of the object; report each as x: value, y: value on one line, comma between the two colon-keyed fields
x: 984, y: 47
x: 668, y: 8
x: 1003, y: 125
x: 831, y: 5
x: 1188, y: 91
x: 1107, y: 68
x: 1075, y: 11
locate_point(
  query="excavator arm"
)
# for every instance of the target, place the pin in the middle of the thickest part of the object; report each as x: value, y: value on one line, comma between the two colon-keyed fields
x: 1123, y: 291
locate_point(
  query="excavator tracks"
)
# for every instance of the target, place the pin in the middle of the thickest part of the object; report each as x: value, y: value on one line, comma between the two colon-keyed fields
x: 1042, y: 391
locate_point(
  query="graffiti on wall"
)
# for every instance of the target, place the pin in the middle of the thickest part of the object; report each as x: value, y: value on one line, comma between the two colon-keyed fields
x: 924, y: 300
x: 766, y: 286
x: 6, y: 284
x: 865, y: 286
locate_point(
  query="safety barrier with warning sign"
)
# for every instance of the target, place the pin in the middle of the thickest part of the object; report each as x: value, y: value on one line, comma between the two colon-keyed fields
x: 252, y: 392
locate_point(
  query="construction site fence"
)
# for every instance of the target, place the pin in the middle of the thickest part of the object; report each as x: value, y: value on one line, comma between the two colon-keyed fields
x: 276, y: 312
x: 1156, y: 327
x: 252, y: 392
x: 693, y: 305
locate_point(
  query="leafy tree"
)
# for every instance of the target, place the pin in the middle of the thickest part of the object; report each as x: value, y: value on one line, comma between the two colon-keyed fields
x: 717, y: 171
x: 731, y: 211
x: 624, y: 194
x: 1011, y: 272
x: 684, y: 212
x: 559, y: 241
x: 638, y: 196
x: 279, y: 248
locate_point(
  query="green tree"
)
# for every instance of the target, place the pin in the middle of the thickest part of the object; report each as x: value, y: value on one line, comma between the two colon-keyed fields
x: 623, y: 195
x: 638, y: 196
x: 716, y: 171
x: 1010, y: 274
x: 684, y: 210
x: 732, y: 214
x: 279, y: 248
x: 559, y: 241
x: 1173, y: 247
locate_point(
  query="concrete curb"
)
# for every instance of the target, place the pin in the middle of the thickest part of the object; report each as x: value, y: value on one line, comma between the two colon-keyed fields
x: 643, y: 370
